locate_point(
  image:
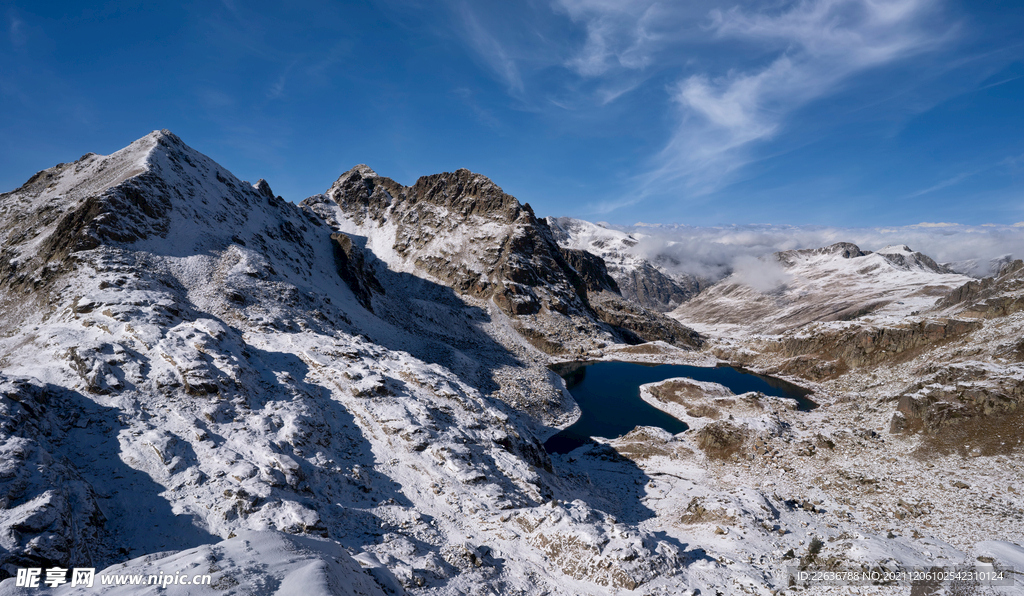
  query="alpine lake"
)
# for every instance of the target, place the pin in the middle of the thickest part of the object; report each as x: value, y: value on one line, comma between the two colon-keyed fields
x: 608, y: 394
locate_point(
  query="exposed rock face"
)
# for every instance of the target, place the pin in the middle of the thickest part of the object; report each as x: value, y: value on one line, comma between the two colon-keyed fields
x: 638, y: 324
x: 591, y: 270
x: 959, y: 406
x: 67, y: 208
x: 353, y: 268
x: 844, y: 250
x: 263, y: 187
x: 50, y: 515
x: 988, y: 298
x: 651, y: 288
x: 905, y: 258
x: 463, y: 231
x: 827, y: 354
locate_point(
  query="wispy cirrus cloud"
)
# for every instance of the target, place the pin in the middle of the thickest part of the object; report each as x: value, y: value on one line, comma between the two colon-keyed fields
x: 619, y: 34
x: 740, y: 73
x: 953, y: 181
x: 818, y: 46
x: 491, y: 50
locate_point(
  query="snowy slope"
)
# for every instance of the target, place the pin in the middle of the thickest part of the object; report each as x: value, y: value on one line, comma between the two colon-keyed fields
x: 835, y: 283
x: 188, y: 380
x: 211, y: 376
x: 250, y: 563
x: 212, y: 373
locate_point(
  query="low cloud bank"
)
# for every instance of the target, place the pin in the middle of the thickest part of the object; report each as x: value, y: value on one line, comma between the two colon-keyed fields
x: 763, y: 275
x: 714, y: 252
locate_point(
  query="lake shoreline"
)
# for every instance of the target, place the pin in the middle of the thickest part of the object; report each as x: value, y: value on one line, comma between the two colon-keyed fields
x: 609, y: 395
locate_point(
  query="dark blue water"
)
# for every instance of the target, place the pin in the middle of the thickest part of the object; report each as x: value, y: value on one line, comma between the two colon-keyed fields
x: 609, y: 397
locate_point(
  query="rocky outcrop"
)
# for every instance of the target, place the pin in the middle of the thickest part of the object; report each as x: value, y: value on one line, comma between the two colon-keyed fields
x: 988, y: 298
x: 591, y: 270
x: 960, y: 404
x: 846, y: 250
x: 721, y: 439
x: 462, y: 230
x: 353, y: 268
x: 827, y: 354
x: 128, y: 212
x: 905, y: 258
x: 900, y: 257
x: 637, y: 324
x: 49, y: 516
x: 649, y: 287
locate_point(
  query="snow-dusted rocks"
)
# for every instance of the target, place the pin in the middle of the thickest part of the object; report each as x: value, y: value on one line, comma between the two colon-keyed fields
x: 700, y: 403
x: 461, y: 231
x: 251, y: 562
x: 48, y: 513
x: 835, y: 283
x: 215, y: 362
x: 349, y: 396
x: 648, y: 284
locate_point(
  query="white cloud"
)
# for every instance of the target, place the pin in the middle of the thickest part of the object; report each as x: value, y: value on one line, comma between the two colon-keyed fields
x: 490, y: 50
x: 763, y: 275
x: 714, y: 252
x: 619, y: 34
x: 818, y: 45
x: 740, y: 73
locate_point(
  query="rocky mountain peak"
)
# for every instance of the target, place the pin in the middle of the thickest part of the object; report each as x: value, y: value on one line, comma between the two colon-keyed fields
x: 462, y: 230
x: 361, y: 192
x: 896, y: 248
x: 903, y: 257
x: 263, y: 188
x: 136, y: 194
x: 468, y: 194
x: 845, y: 250
x: 364, y: 170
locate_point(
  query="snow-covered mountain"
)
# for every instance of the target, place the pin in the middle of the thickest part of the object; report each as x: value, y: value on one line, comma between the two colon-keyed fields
x: 186, y: 356
x: 462, y: 231
x: 180, y: 346
x: 349, y: 396
x: 840, y: 282
x: 651, y: 285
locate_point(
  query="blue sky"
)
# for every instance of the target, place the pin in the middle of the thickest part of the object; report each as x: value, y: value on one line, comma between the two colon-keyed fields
x: 816, y: 112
